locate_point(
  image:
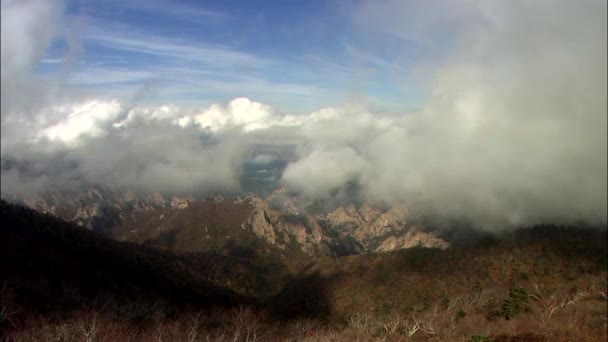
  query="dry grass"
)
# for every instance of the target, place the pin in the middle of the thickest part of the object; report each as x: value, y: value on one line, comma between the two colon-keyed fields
x: 546, y: 284
x: 580, y: 316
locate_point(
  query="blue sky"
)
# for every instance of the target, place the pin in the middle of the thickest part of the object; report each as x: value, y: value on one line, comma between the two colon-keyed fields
x: 295, y: 55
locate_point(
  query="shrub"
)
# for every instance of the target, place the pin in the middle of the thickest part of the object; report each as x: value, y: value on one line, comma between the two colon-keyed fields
x: 461, y: 314
x: 445, y: 302
x: 515, y: 303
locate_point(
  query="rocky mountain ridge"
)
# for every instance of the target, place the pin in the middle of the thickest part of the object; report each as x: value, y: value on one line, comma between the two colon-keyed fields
x: 99, y: 208
x: 281, y: 222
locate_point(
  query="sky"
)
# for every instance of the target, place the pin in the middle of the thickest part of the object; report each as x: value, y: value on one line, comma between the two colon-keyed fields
x: 492, y: 111
x: 297, y: 55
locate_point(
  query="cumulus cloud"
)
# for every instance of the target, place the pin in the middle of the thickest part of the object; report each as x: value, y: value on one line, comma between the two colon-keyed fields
x: 240, y: 112
x: 514, y: 130
x: 143, y: 148
x: 28, y: 28
x: 81, y: 119
x: 323, y: 171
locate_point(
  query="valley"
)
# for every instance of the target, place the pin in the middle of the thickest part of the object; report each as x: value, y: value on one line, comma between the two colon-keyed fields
x: 240, y: 269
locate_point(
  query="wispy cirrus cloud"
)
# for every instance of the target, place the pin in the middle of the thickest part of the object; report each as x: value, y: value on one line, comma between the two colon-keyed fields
x: 184, y: 67
x: 182, y: 10
x: 178, y: 49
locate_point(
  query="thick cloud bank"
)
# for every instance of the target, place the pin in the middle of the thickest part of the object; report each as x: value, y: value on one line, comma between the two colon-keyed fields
x: 513, y: 131
x: 27, y: 30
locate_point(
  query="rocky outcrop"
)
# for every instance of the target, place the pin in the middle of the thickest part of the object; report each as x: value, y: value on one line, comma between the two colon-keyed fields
x: 280, y: 228
x: 89, y: 208
x: 413, y: 238
x: 392, y: 221
x: 281, y: 221
x: 344, y: 216
x: 179, y: 203
x: 285, y: 202
x: 263, y: 221
x: 85, y: 215
x: 369, y: 214
x: 40, y: 205
x: 308, y: 234
x: 366, y: 224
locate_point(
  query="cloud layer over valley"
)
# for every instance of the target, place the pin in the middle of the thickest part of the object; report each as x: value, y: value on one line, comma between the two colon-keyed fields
x: 512, y: 131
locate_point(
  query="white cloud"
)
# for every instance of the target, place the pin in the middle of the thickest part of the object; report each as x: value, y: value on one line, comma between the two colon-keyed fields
x: 81, y: 119
x: 27, y: 30
x: 514, y: 129
x: 323, y: 170
x: 240, y: 112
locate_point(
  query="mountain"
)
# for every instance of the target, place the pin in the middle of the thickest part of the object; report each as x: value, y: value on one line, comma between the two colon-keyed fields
x: 99, y: 208
x: 62, y: 282
x: 282, y: 226
x: 57, y: 265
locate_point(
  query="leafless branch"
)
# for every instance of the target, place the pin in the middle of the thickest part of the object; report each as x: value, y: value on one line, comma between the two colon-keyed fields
x: 411, y: 329
x: 89, y: 329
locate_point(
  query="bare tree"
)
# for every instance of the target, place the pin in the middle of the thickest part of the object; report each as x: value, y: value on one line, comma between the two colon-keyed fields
x: 7, y: 310
x: 390, y: 327
x: 411, y: 328
x: 194, y: 327
x: 248, y: 326
x: 88, y: 328
x: 551, y: 304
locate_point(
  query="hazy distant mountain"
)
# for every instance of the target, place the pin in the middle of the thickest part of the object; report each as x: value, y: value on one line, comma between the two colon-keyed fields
x: 282, y: 225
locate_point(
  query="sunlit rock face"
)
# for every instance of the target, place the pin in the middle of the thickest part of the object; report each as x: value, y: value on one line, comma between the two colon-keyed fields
x: 379, y: 229
x: 411, y: 239
x: 282, y: 221
x: 263, y: 221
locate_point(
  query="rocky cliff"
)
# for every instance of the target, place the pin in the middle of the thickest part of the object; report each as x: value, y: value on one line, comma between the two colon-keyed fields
x: 280, y: 223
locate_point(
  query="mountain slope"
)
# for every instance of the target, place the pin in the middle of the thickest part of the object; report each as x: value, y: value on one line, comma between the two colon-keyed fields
x: 53, y: 265
x: 281, y: 227
x: 540, y: 284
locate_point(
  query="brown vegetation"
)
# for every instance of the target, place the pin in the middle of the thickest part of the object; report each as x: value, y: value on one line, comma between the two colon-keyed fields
x: 64, y: 283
